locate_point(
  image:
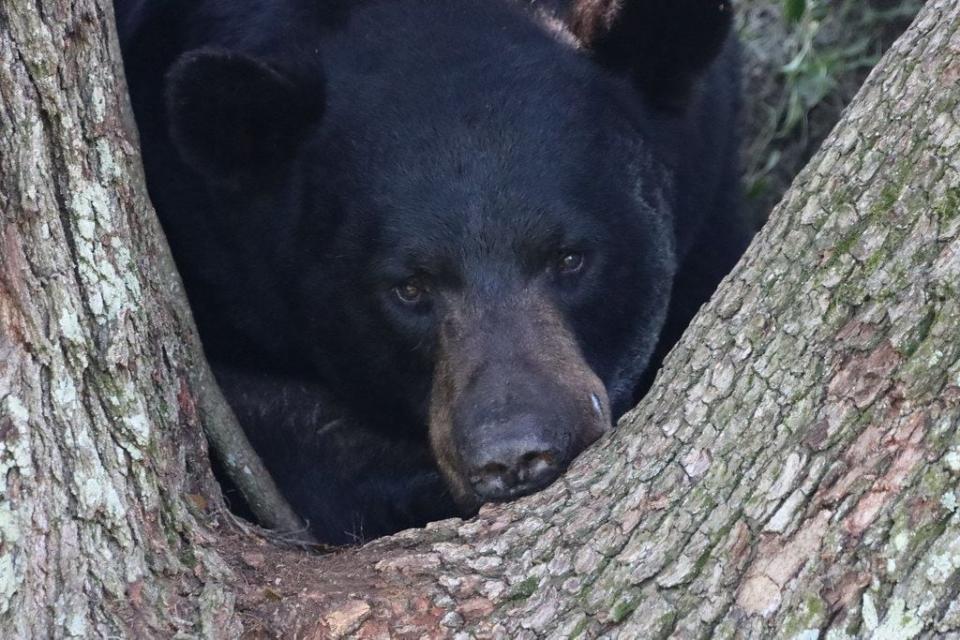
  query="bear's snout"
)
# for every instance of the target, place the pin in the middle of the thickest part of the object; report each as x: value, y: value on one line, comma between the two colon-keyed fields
x: 513, y: 400
x: 505, y: 461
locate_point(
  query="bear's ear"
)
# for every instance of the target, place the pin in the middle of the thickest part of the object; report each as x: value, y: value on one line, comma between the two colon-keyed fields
x: 665, y: 44
x: 232, y: 116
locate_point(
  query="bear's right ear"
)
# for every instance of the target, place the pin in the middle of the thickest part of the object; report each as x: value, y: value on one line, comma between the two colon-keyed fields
x: 232, y: 116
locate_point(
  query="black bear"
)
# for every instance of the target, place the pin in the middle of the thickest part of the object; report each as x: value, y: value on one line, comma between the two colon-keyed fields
x: 435, y: 248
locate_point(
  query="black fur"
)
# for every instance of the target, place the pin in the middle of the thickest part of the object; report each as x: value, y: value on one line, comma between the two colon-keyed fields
x: 234, y: 117
x: 305, y: 157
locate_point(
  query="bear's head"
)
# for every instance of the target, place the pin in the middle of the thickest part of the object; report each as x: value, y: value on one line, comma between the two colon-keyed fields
x: 475, y: 199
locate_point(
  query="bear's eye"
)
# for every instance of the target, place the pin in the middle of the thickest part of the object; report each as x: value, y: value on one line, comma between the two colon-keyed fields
x: 410, y: 292
x: 570, y: 263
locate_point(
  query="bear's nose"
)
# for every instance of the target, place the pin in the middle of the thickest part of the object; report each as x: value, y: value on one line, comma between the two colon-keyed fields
x: 514, y: 467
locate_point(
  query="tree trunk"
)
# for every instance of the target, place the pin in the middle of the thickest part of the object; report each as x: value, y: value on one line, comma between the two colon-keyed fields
x: 793, y: 473
x: 103, y: 467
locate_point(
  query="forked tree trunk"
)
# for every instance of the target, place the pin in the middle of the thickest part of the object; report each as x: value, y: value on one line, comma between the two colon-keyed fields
x: 794, y: 472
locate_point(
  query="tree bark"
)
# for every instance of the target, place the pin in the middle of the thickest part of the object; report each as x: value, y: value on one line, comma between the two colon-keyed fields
x: 793, y: 473
x: 103, y: 386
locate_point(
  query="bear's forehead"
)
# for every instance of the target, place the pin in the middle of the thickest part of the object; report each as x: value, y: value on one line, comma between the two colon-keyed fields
x: 502, y: 198
x: 501, y: 225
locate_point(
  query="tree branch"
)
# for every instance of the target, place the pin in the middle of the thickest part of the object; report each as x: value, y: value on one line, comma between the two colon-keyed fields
x: 226, y: 437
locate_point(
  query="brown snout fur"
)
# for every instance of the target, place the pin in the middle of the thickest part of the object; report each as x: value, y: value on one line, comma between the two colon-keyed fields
x: 524, y: 328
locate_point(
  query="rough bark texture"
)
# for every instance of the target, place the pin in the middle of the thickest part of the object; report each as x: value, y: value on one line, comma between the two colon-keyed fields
x: 102, y: 385
x: 794, y: 471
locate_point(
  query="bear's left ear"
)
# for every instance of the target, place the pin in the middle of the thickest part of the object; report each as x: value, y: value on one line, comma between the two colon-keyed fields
x: 665, y: 44
x: 232, y: 116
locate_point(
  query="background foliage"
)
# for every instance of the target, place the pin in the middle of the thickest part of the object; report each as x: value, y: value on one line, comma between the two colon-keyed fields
x: 805, y: 60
